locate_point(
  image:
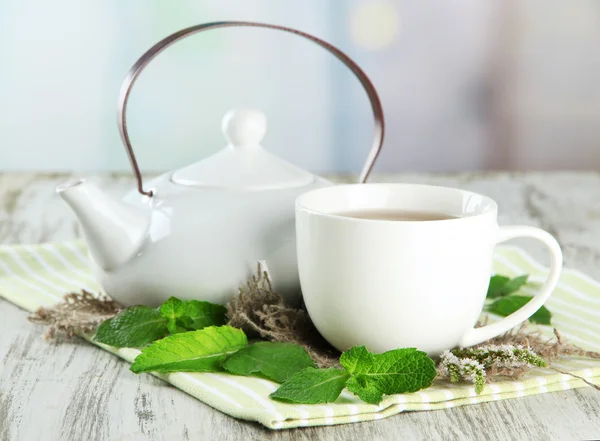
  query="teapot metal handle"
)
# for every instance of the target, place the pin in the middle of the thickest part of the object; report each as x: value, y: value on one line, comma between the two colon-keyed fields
x: 151, y: 53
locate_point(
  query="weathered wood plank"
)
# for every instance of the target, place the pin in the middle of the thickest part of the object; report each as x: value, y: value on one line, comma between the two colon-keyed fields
x: 74, y: 391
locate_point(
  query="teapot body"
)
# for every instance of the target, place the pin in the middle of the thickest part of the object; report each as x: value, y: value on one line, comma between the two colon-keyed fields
x: 199, y: 232
x: 204, y: 244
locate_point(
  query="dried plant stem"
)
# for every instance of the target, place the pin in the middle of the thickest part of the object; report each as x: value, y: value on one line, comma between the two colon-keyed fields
x: 585, y: 380
x: 259, y: 310
x: 510, y: 355
x: 78, y: 314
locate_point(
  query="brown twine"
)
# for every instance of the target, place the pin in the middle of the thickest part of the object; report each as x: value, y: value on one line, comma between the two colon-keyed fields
x: 78, y: 314
x: 260, y: 311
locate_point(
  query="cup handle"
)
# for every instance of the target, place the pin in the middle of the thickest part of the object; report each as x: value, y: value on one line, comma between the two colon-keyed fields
x: 478, y: 335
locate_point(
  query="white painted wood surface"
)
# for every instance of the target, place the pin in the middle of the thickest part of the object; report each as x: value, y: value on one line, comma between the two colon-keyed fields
x: 74, y: 391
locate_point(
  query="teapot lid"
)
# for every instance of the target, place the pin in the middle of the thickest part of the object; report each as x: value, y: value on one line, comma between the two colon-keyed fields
x: 243, y: 164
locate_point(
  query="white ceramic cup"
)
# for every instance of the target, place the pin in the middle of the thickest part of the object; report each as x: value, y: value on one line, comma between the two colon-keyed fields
x: 392, y: 284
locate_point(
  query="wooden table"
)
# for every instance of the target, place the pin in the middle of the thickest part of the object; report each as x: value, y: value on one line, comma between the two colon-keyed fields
x: 74, y: 391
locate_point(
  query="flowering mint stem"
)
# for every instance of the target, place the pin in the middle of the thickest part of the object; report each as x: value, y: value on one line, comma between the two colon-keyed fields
x: 470, y: 364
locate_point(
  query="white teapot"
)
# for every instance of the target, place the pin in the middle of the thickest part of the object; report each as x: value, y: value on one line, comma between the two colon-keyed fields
x: 198, y: 232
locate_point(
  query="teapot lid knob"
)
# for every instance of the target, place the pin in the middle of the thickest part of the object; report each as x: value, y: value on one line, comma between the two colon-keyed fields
x: 244, y: 127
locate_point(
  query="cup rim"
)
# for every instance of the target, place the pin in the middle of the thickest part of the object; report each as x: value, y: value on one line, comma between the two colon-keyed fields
x: 492, y: 210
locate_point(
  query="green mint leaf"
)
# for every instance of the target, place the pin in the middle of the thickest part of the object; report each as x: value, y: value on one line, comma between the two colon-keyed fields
x: 275, y: 361
x: 365, y: 388
x: 191, y: 315
x: 501, y: 286
x: 496, y: 287
x: 312, y: 386
x: 509, y: 304
x: 194, y: 351
x: 133, y: 327
x: 356, y: 359
x: 177, y: 329
x: 393, y: 372
x: 513, y: 285
x: 199, y: 315
x: 172, y: 310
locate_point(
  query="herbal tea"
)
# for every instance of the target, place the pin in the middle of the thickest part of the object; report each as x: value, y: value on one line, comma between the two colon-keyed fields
x: 395, y: 215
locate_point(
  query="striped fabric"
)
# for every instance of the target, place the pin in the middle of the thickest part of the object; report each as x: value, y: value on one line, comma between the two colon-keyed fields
x: 31, y: 276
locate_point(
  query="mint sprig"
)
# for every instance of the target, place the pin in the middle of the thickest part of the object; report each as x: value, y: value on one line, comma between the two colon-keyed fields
x: 504, y: 291
x: 367, y: 375
x: 137, y: 326
x: 393, y: 372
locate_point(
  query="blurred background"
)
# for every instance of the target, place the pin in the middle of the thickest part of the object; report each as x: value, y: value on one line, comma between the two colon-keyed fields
x: 465, y: 84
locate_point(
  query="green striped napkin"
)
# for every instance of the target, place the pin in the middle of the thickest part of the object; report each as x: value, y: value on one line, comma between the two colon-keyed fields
x: 36, y: 275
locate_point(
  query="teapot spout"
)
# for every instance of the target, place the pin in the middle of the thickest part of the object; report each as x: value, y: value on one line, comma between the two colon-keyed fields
x: 114, y: 230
